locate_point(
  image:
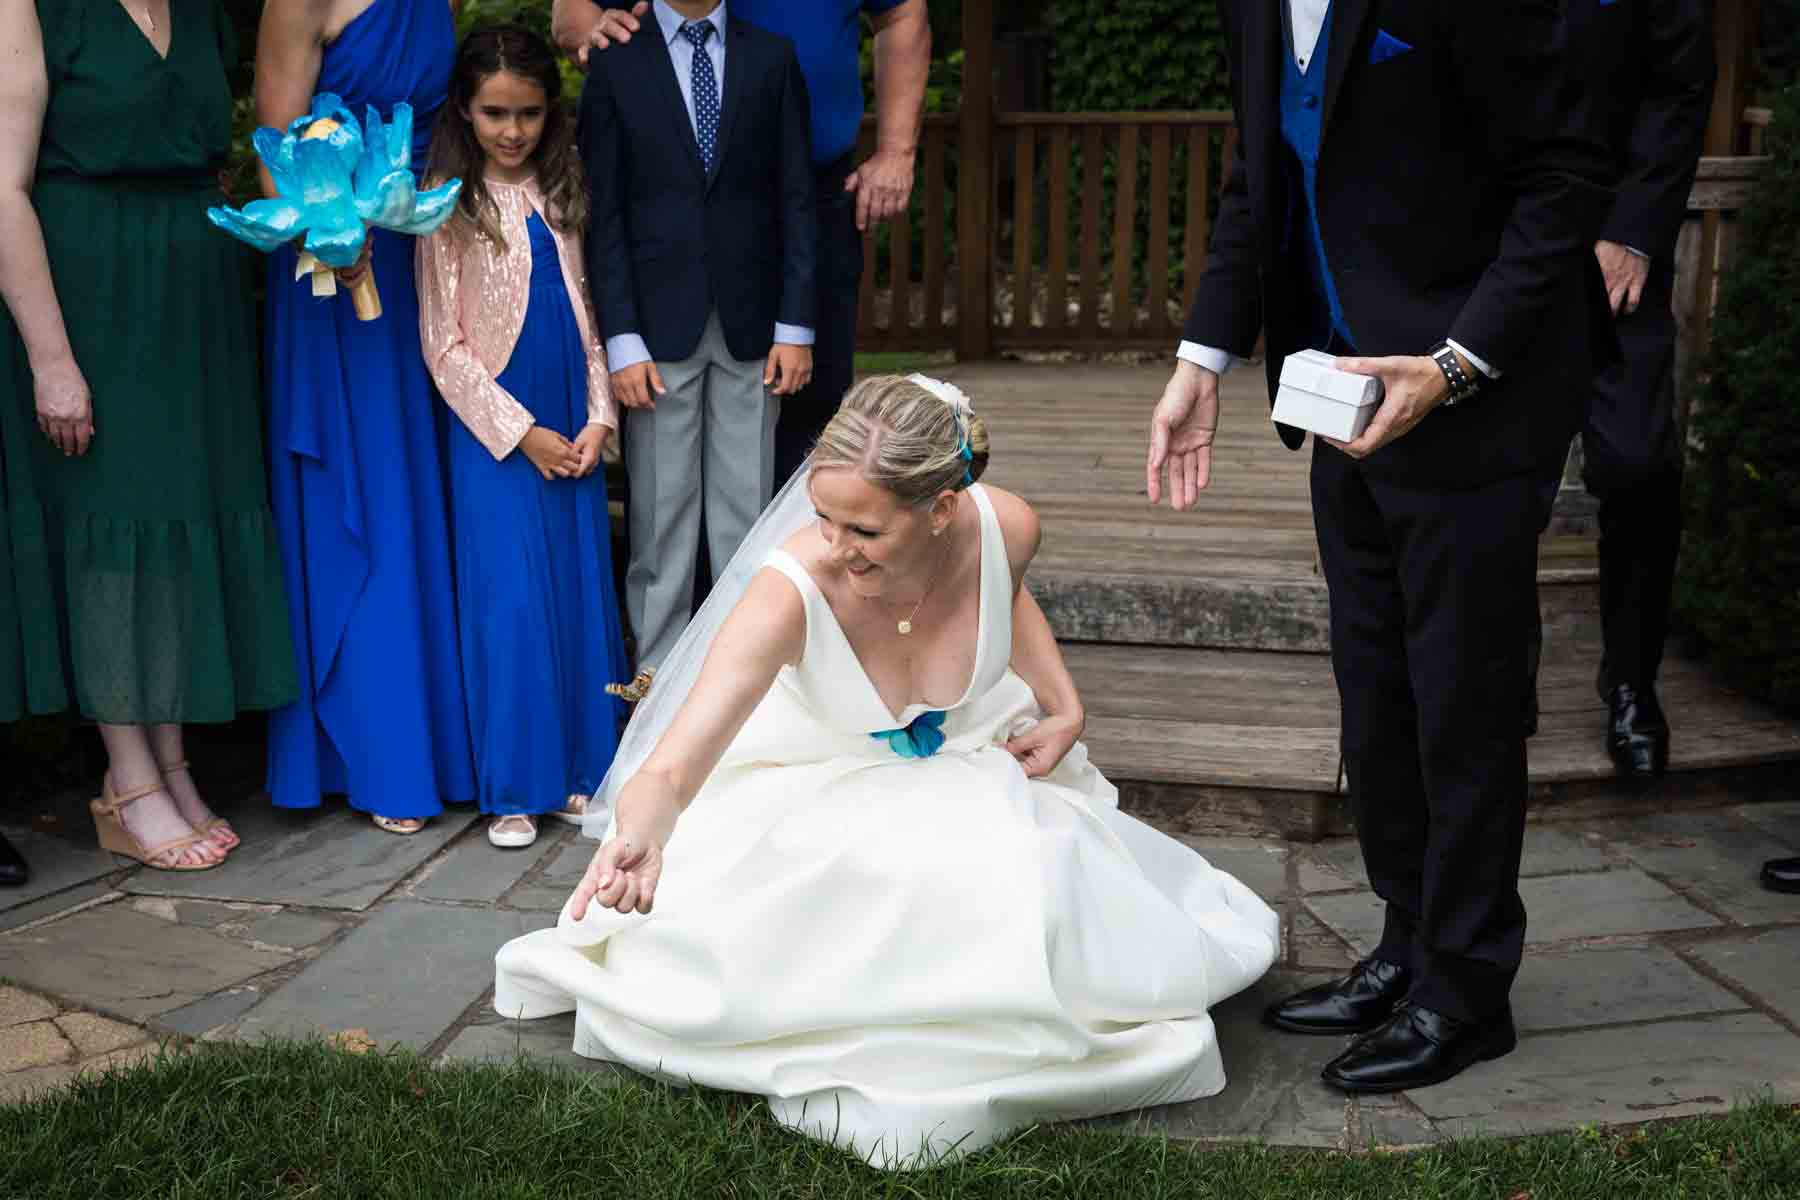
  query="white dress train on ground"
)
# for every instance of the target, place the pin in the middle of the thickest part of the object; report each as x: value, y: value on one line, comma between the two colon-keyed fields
x: 909, y: 957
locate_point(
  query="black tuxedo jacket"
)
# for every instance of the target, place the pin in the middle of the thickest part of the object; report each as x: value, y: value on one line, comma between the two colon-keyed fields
x: 1658, y: 59
x: 1461, y: 186
x: 668, y: 241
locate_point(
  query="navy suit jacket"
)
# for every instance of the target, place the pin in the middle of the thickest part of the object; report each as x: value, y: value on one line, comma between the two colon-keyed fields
x: 669, y: 242
x: 1462, y: 180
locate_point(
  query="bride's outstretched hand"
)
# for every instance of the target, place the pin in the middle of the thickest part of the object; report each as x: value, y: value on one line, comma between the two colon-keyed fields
x: 623, y: 876
x: 1042, y: 746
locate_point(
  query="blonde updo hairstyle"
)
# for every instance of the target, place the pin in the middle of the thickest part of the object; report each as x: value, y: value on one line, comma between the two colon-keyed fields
x: 902, y: 437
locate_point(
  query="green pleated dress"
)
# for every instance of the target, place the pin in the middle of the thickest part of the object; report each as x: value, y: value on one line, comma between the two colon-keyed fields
x: 141, y: 582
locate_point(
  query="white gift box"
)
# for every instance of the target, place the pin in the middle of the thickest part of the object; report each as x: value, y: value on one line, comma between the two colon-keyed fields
x: 1314, y: 395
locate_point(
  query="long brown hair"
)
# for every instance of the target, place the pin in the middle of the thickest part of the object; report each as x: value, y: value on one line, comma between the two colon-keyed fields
x: 486, y: 52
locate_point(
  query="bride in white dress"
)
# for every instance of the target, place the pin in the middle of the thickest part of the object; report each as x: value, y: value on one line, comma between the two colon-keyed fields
x: 856, y: 860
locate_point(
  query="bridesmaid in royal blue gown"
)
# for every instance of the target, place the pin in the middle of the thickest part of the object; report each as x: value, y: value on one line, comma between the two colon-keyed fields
x: 357, y: 475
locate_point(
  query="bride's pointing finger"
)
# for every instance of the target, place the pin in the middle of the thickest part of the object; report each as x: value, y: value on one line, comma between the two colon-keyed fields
x: 585, y: 890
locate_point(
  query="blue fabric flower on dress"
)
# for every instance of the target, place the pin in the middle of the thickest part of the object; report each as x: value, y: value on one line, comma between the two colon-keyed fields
x: 923, y: 738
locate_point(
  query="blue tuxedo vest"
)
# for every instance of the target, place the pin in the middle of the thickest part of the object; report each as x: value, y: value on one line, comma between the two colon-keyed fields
x: 1302, y: 123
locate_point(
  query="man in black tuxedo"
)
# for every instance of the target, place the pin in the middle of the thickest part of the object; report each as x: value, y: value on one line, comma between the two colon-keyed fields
x: 1418, y: 185
x: 1657, y: 56
x: 702, y: 260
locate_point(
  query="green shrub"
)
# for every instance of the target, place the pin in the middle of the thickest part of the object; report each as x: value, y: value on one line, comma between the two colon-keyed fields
x: 1136, y: 55
x: 1739, y: 585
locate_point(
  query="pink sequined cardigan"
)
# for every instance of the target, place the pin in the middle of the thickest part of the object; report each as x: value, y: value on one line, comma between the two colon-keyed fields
x: 472, y: 302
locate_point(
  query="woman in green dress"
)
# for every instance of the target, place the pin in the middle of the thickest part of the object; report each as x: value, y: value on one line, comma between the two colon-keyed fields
x: 139, y: 576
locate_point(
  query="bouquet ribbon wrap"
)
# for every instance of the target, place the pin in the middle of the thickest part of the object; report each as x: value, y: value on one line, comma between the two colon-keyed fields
x: 336, y: 179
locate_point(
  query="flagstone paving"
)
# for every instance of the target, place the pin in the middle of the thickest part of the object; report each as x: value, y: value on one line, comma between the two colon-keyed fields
x: 44, y: 1044
x: 1659, y: 980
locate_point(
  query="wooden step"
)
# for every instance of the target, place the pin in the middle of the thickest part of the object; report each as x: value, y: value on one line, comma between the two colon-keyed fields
x: 1199, y: 638
x: 1204, y: 741
x: 1239, y: 572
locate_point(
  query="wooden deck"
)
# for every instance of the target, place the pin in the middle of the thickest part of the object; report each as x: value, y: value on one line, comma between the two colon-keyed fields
x: 1198, y: 638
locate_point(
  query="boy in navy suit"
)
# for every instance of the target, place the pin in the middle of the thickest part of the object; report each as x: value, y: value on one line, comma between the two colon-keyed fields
x: 701, y: 259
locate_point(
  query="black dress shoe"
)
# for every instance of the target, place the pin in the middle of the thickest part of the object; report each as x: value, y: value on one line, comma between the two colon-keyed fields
x: 1356, y: 1003
x: 13, y: 871
x: 1782, y: 875
x: 1417, y: 1048
x: 1637, y: 735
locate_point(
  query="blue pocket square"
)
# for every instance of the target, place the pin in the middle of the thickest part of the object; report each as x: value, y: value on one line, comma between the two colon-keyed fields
x: 1386, y: 46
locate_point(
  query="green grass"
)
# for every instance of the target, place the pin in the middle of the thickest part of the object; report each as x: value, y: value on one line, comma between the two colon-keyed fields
x: 303, y: 1121
x: 901, y: 362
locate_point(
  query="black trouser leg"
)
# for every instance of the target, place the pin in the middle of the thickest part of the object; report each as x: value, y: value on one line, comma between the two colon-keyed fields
x: 805, y: 414
x: 1633, y: 464
x: 1379, y: 732
x: 1431, y: 598
x: 1640, y: 535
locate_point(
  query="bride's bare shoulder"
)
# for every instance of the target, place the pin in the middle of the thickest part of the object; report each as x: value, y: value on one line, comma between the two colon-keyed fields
x: 1018, y: 525
x: 806, y: 547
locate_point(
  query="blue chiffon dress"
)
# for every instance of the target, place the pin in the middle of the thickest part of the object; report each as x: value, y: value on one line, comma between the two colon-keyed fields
x: 358, y: 489
x: 536, y: 608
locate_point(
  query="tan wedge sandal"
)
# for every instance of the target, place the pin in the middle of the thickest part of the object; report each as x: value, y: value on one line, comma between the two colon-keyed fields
x: 110, y: 828
x: 212, y: 825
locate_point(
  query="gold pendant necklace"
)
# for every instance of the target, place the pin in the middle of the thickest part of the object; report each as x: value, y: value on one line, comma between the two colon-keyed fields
x: 150, y: 17
x: 906, y: 626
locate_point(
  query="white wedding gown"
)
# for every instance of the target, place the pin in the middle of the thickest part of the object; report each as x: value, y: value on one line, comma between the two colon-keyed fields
x: 908, y: 957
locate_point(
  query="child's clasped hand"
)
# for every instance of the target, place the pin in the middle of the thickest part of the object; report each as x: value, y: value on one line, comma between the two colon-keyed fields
x: 554, y: 455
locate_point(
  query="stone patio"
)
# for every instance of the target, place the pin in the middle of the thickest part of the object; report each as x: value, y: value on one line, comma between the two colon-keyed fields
x: 1660, y: 979
x: 44, y: 1044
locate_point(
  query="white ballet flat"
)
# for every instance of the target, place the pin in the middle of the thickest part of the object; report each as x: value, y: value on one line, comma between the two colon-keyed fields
x: 512, y: 839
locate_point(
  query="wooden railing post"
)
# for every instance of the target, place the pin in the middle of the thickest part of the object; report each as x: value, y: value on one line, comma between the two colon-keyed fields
x: 975, y: 185
x: 1734, y: 33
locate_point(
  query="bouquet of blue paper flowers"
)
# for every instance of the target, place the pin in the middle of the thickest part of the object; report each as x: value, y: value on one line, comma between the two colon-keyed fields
x: 334, y: 180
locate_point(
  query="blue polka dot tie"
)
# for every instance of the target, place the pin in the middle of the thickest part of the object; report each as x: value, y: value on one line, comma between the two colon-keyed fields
x: 705, y: 87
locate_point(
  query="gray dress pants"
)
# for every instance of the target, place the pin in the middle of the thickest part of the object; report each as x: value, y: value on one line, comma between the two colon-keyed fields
x: 710, y: 441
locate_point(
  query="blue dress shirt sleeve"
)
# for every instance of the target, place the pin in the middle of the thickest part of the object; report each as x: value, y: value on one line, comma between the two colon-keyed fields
x: 626, y: 350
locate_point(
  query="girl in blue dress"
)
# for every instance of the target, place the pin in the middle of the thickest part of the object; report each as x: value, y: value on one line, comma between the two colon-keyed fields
x: 357, y: 475
x: 510, y: 339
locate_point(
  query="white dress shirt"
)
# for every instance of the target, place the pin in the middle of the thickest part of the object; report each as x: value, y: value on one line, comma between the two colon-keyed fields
x: 1307, y: 20
x: 628, y: 349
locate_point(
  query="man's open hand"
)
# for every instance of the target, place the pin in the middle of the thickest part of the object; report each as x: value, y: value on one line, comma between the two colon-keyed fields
x: 1181, y: 436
